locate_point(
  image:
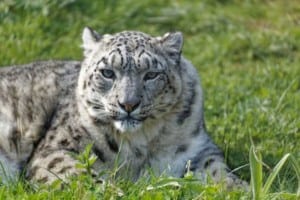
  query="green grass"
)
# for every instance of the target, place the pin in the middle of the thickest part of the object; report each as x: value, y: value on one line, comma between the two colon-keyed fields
x: 247, y: 54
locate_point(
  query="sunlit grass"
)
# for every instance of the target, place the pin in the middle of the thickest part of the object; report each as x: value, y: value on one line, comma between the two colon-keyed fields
x: 247, y: 54
x: 260, y: 189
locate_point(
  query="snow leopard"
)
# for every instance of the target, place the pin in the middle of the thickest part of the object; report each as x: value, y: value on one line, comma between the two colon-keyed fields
x: 133, y: 97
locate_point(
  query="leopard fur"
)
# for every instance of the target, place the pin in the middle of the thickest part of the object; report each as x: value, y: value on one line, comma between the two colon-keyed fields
x: 134, y: 97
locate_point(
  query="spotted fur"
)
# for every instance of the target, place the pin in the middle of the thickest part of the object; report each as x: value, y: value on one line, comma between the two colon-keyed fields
x: 135, y: 97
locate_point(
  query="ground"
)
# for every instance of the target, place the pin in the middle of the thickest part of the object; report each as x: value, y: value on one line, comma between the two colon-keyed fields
x: 247, y: 54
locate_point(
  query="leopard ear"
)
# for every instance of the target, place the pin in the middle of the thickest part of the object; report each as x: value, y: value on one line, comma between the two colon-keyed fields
x: 172, y: 43
x: 89, y: 39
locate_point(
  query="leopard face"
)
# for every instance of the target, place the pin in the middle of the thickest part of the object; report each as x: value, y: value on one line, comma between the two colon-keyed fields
x: 130, y: 77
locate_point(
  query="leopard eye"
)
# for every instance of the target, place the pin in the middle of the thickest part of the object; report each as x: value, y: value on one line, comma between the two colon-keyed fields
x: 107, y: 73
x: 151, y: 76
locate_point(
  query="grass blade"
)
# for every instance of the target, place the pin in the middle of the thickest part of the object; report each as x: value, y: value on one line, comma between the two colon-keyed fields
x: 297, y: 171
x: 274, y: 173
x: 256, y: 173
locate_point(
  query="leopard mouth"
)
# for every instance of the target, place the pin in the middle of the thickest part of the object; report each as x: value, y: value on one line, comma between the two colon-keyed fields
x: 127, y: 124
x: 125, y: 118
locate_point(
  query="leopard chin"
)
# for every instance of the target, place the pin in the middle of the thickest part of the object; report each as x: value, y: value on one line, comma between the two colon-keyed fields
x: 127, y: 125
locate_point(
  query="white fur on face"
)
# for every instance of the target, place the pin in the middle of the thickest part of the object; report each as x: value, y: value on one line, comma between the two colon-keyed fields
x: 129, y: 125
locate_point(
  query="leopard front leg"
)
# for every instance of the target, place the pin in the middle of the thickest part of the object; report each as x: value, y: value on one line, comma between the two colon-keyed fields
x: 52, y: 165
x: 55, y: 156
x: 216, y: 170
x: 61, y: 165
x: 208, y: 164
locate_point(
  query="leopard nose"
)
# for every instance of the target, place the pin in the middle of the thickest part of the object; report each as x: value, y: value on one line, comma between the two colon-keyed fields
x: 129, y: 106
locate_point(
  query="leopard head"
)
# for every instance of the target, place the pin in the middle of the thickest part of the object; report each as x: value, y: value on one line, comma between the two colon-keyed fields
x: 129, y: 78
